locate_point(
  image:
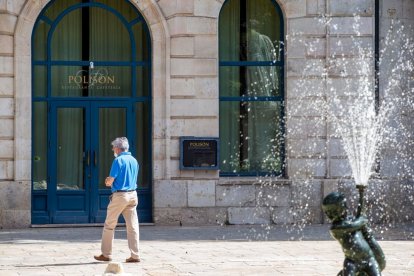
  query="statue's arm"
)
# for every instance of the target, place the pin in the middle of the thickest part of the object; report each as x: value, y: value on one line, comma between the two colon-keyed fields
x: 350, y: 225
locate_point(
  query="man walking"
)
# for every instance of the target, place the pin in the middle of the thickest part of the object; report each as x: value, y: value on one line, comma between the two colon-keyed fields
x: 123, y: 182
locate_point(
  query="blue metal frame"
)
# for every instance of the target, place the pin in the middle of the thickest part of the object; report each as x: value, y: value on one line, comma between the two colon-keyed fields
x: 280, y: 64
x: 92, y: 103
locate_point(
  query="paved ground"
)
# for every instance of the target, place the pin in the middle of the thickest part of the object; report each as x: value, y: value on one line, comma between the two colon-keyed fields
x: 210, y: 250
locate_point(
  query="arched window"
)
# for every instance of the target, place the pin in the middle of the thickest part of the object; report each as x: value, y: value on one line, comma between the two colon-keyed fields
x: 91, y: 64
x: 251, y: 88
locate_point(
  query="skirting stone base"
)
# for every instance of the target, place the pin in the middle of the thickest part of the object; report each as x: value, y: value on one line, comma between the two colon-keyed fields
x: 15, y: 204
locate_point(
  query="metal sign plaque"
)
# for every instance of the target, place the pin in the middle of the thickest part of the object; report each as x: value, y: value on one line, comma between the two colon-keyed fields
x: 199, y: 153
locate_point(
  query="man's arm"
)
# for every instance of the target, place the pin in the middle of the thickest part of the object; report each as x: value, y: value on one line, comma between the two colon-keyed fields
x: 108, y: 181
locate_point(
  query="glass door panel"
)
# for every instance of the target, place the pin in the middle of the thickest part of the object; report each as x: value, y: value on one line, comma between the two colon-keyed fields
x: 112, y: 124
x: 70, y: 151
x: 40, y: 146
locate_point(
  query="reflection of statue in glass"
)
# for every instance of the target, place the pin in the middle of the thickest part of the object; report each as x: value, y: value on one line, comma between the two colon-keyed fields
x: 363, y: 255
x: 262, y: 81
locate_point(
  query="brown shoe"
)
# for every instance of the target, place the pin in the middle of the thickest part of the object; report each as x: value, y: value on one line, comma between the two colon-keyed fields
x: 102, y: 258
x: 132, y: 260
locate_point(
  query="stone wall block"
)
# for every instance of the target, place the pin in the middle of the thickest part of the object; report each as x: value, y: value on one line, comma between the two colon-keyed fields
x: 295, y: 8
x: 351, y: 26
x: 177, y: 173
x: 295, y: 46
x: 6, y: 149
x: 408, y: 9
x: 158, y: 146
x: 12, y: 219
x: 392, y: 9
x: 190, y: 216
x: 7, y: 23
x: 306, y: 168
x: 306, y: 26
x: 6, y: 107
x: 315, y: 7
x: 329, y: 186
x: 236, y: 195
x: 273, y: 195
x: 172, y: 7
x: 175, y: 148
x: 351, y: 66
x: 340, y: 87
x: 194, y: 107
x: 306, y: 192
x: 349, y: 46
x: 159, y: 128
x: 307, y: 147
x: 309, y: 107
x: 158, y: 169
x: 194, y: 127
x: 6, y: 86
x: 201, y: 193
x: 206, y: 46
x: 282, y: 215
x: 193, y: 67
x: 315, y: 47
x: 6, y: 65
x: 182, y: 46
x: 299, y: 127
x: 207, y: 8
x: 307, y: 215
x: 305, y: 67
x: 305, y: 87
x: 249, y: 215
x: 6, y: 44
x: 182, y: 87
x: 12, y: 6
x: 336, y: 148
x: 7, y: 128
x: 170, y: 193
x: 340, y: 168
x: 15, y: 195
x: 206, y: 87
x: 351, y: 7
x: 192, y: 26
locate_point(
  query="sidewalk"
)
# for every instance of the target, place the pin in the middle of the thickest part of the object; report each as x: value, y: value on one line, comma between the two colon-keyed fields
x: 208, y: 250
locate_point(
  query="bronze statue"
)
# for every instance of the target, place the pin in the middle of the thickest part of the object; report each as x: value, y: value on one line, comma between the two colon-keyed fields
x: 363, y: 255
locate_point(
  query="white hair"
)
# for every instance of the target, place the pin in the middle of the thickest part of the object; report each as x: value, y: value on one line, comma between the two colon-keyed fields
x: 121, y: 143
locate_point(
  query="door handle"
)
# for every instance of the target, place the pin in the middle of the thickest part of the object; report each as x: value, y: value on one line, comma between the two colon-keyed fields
x: 88, y: 158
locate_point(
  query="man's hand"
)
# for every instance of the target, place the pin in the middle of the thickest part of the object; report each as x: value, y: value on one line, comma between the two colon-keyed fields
x: 108, y: 181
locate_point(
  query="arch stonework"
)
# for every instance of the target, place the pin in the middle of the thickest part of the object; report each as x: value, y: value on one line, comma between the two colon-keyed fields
x: 23, y: 77
x: 23, y: 90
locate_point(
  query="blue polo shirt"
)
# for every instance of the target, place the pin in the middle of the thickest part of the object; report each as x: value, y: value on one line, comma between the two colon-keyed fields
x: 125, y: 171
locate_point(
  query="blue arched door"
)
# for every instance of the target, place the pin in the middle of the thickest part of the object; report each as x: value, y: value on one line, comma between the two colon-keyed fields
x: 91, y: 84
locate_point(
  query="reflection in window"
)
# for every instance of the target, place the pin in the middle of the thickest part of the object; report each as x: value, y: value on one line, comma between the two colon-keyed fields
x: 70, y: 150
x: 40, y: 146
x: 251, y: 88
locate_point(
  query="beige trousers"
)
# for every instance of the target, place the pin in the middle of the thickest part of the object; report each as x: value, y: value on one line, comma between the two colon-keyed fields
x: 125, y: 204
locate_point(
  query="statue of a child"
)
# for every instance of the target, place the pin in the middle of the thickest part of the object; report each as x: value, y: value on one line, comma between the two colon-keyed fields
x: 363, y: 255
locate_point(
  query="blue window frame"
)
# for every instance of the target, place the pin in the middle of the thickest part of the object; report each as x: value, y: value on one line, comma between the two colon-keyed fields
x: 251, y: 62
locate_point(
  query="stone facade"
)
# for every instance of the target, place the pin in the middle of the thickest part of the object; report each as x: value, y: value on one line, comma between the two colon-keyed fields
x: 185, y: 103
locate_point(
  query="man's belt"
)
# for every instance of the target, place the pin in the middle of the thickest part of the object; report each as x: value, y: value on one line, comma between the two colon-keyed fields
x: 123, y: 191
